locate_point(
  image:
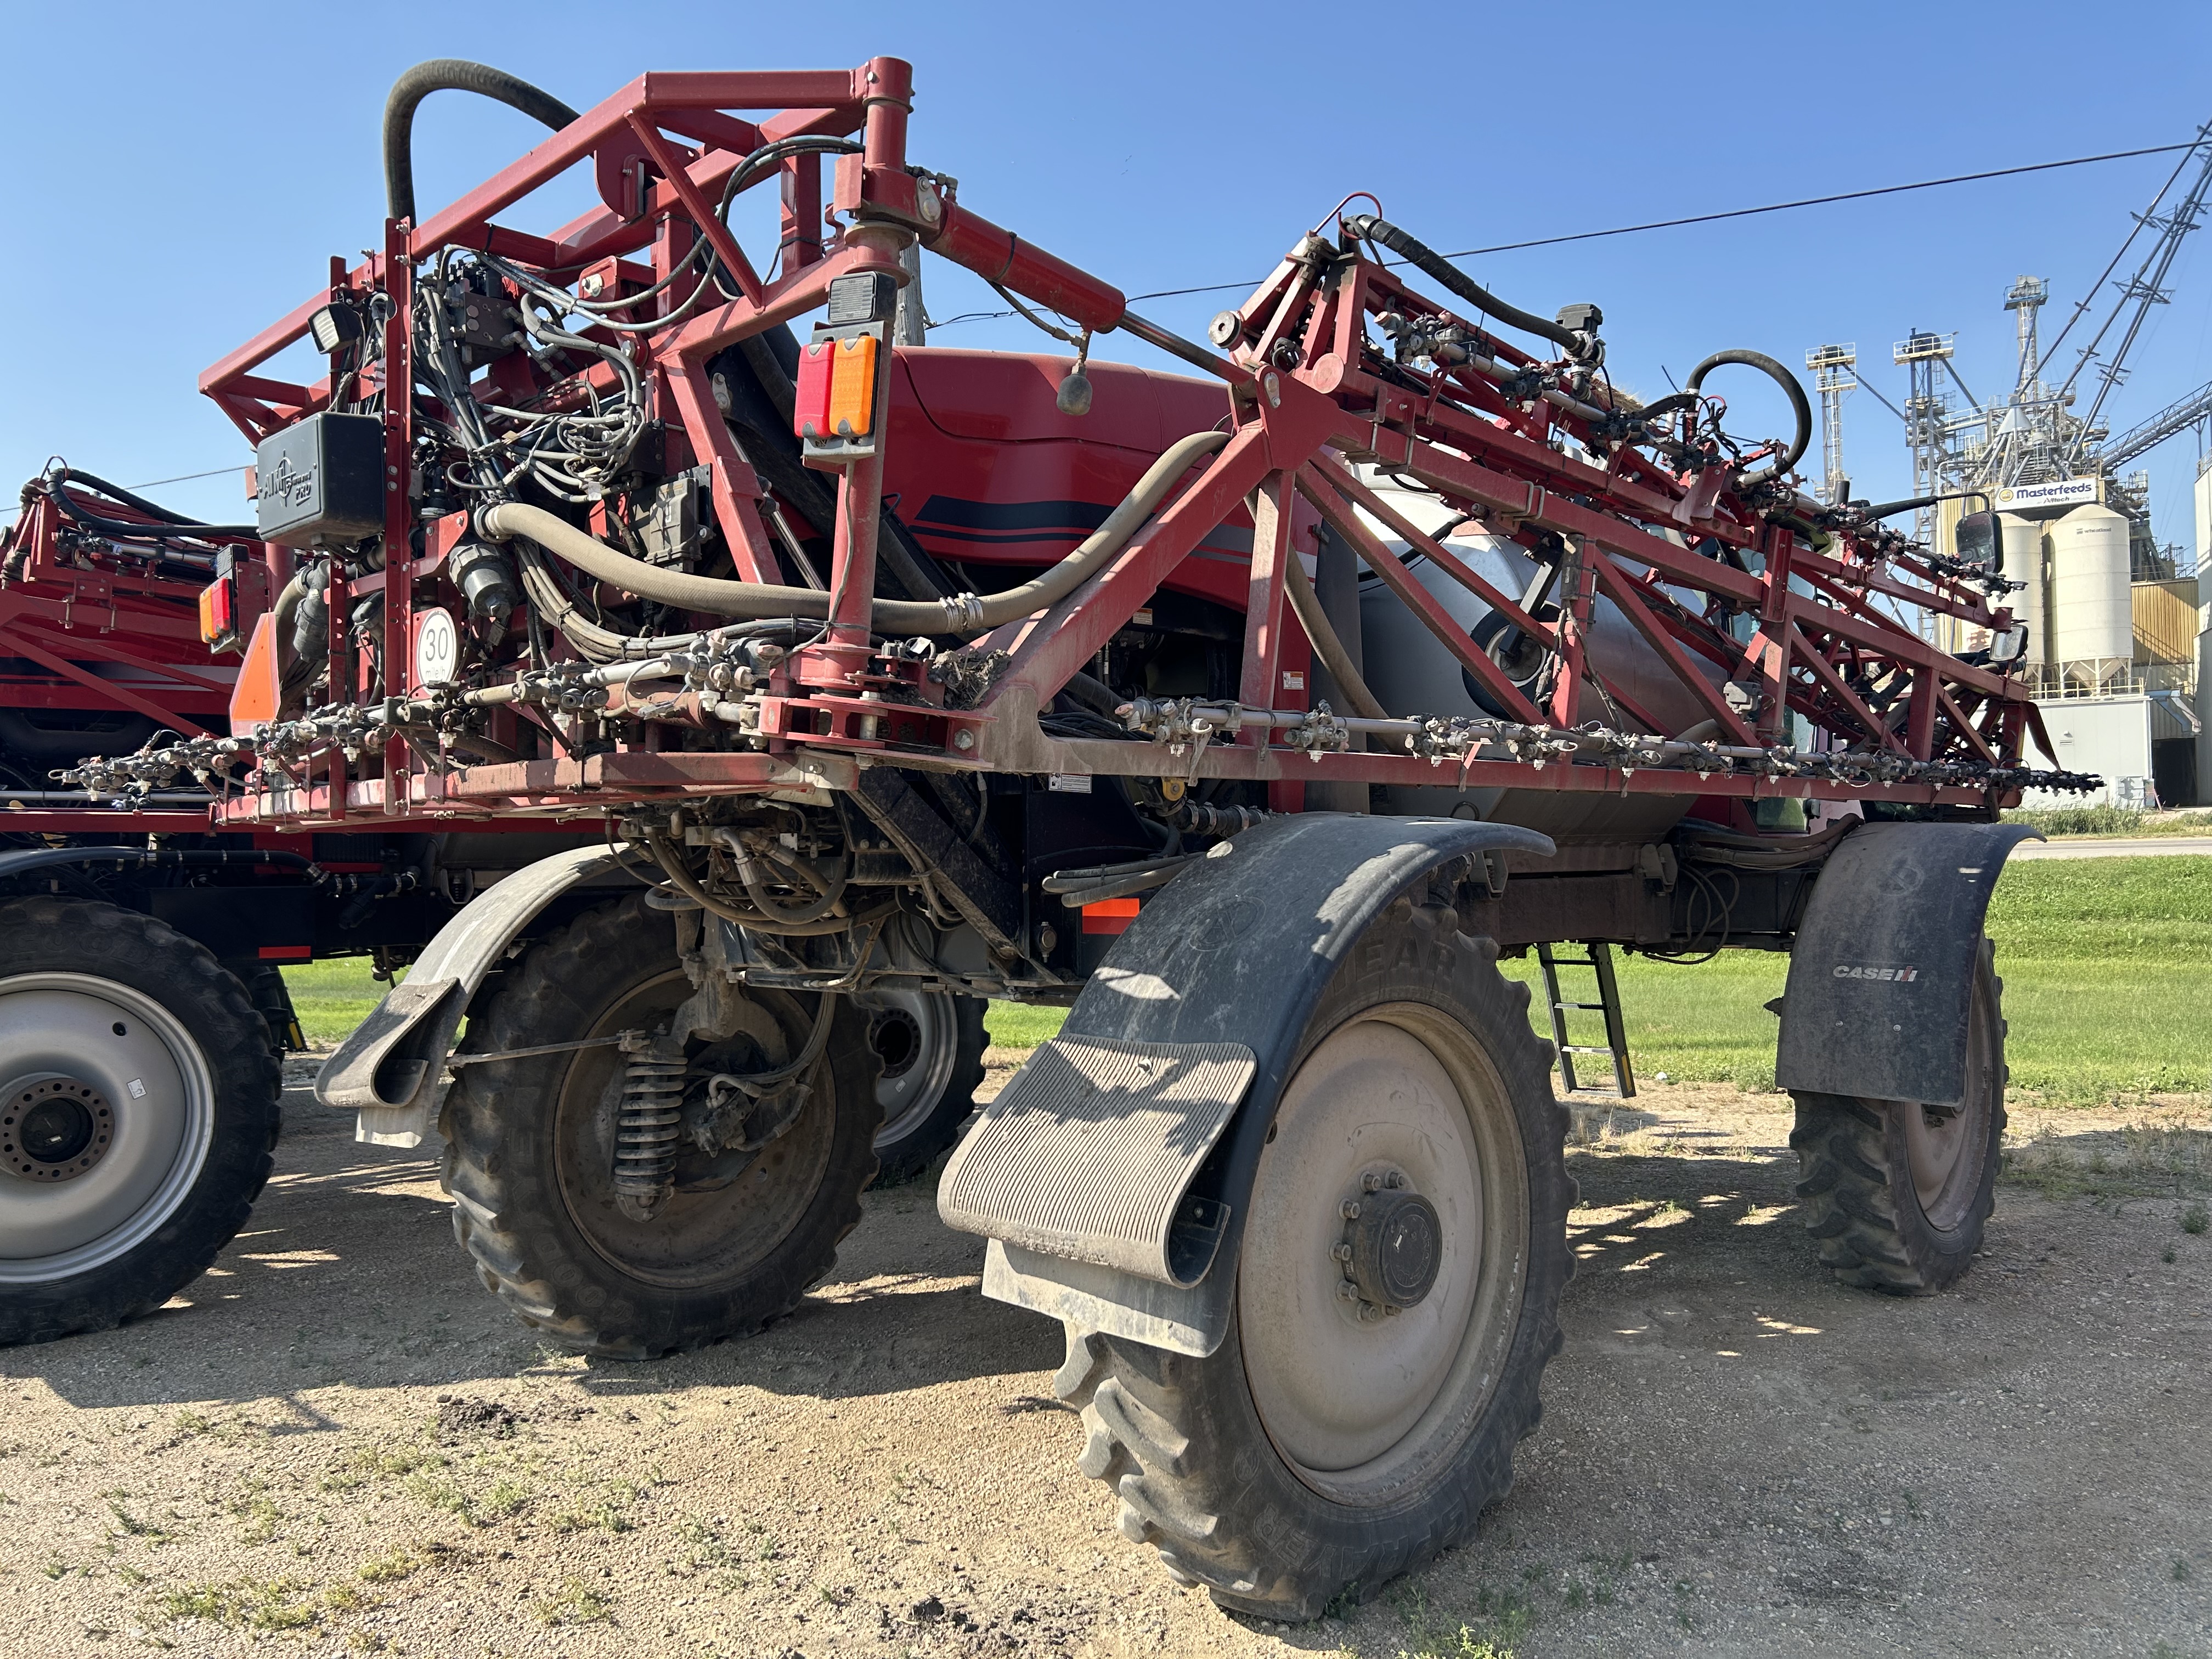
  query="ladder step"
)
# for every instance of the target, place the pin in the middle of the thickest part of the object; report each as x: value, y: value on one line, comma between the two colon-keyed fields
x: 1614, y: 1051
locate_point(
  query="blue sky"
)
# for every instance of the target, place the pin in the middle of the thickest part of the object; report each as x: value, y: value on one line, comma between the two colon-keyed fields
x: 177, y: 176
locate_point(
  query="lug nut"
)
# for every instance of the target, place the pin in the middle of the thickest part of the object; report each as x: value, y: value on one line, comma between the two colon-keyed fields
x: 1371, y: 1182
x: 1342, y: 1252
x: 1349, y: 1210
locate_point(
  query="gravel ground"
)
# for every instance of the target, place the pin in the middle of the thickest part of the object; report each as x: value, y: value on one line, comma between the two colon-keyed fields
x: 339, y: 1442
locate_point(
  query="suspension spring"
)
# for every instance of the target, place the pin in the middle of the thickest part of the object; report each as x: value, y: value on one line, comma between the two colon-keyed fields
x: 647, y: 1131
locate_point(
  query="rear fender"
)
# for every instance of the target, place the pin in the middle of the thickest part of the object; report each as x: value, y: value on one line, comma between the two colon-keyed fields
x: 1881, y: 977
x: 390, y: 1072
x: 1112, y: 1174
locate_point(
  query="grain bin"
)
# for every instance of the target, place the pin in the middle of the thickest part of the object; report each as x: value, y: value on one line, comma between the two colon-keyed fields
x: 2091, y: 614
x: 2023, y: 562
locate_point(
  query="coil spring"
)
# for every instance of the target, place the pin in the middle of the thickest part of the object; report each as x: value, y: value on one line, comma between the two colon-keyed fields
x: 646, y: 1132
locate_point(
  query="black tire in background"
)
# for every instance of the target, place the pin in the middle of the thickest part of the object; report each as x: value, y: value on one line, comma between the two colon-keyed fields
x: 930, y: 1044
x: 139, y: 1111
x: 1329, y: 1444
x: 530, y: 1142
x: 1897, y: 1194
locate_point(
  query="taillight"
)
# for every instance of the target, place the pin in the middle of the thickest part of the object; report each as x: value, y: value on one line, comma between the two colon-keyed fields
x: 853, y: 388
x: 833, y: 410
x: 219, y: 614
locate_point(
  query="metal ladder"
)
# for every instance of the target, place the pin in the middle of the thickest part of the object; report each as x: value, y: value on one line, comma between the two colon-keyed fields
x: 1599, y: 960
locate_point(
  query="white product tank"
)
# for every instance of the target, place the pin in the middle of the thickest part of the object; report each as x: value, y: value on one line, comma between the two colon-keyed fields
x: 2090, y: 608
x: 2023, y: 562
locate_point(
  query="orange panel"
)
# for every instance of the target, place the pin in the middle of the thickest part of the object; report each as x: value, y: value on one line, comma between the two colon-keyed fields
x: 259, y: 693
x: 852, y: 387
x: 1109, y: 915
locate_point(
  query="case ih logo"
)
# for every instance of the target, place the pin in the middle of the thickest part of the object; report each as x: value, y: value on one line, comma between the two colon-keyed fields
x: 1845, y: 970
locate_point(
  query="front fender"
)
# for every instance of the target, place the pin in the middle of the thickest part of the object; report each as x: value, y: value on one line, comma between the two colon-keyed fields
x: 390, y: 1071
x: 1112, y: 1174
x: 1881, y: 977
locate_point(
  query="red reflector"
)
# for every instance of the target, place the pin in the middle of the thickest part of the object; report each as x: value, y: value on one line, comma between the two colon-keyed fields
x: 1109, y: 915
x: 286, y: 952
x: 810, y: 414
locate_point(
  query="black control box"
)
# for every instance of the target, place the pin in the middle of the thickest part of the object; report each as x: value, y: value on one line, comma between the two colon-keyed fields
x: 321, y: 481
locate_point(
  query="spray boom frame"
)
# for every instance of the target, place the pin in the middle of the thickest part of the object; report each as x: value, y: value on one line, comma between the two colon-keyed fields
x: 1762, y: 603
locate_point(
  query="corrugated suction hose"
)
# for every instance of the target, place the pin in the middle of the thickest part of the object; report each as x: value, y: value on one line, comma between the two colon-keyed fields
x: 961, y: 613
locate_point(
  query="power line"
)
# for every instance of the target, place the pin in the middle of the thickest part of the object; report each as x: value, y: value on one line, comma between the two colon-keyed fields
x: 1692, y: 219
x: 186, y: 478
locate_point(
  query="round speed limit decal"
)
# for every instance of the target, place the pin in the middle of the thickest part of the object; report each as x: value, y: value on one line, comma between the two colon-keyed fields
x: 437, y: 649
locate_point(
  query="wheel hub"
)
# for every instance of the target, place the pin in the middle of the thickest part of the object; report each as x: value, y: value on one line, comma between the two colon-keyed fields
x: 1393, y: 1245
x: 895, y: 1035
x: 53, y: 1129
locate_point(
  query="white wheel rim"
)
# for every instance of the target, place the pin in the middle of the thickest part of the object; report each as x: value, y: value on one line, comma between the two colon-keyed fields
x: 162, y: 1096
x: 1351, y: 1403
x: 908, y: 1097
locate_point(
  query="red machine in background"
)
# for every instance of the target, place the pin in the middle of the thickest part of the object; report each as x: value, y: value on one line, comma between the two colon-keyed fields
x: 100, y: 641
x: 1251, y: 715
x: 121, y: 624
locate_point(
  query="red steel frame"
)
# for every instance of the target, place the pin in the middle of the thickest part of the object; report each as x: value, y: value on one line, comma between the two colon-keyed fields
x: 1301, y: 400
x: 63, y: 604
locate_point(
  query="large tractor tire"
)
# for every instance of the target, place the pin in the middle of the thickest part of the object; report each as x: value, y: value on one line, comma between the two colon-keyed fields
x: 930, y: 1045
x: 138, y: 1106
x: 1897, y: 1193
x: 1397, y: 1297
x: 530, y: 1151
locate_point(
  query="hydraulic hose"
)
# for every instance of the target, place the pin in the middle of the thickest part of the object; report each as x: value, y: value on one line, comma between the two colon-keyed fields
x: 175, y: 523
x: 1369, y: 227
x: 965, y: 613
x: 1326, y: 644
x: 1790, y: 389
x: 449, y: 75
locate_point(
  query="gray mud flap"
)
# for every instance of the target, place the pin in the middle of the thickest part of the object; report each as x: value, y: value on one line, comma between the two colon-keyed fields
x: 1229, y: 958
x: 391, y: 1071
x: 1125, y: 1126
x: 1881, y: 977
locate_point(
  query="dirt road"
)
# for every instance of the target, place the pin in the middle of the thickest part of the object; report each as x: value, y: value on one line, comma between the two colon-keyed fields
x: 339, y: 1443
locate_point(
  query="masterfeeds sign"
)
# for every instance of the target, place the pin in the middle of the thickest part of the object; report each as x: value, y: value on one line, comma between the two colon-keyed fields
x: 2059, y: 492
x: 1845, y: 970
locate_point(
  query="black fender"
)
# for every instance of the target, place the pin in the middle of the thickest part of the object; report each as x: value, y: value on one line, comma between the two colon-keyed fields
x: 1881, y: 977
x: 389, y: 1072
x: 1235, y: 954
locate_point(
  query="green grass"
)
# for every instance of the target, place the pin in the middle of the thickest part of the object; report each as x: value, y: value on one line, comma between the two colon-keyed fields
x: 332, y: 997
x: 2098, y: 955
x: 1018, y: 1025
x: 2112, y: 821
x: 2099, y: 958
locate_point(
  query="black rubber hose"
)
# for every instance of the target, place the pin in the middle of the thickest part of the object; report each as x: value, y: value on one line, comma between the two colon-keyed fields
x: 1426, y: 258
x: 116, y: 493
x: 176, y: 522
x: 449, y: 75
x: 1790, y: 389
x: 1666, y: 405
